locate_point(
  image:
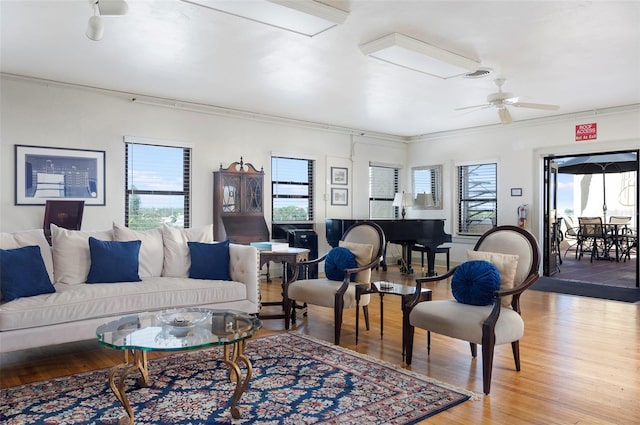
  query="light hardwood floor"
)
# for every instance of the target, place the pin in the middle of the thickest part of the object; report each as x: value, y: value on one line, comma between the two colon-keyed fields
x: 580, y: 359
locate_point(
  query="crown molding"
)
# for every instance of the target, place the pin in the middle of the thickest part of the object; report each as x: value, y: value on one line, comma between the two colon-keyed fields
x: 196, y: 107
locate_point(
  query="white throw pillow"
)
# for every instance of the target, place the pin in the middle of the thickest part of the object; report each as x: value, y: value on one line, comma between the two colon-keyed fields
x: 71, y: 256
x: 176, y: 251
x: 151, y: 251
x: 507, y: 264
x: 29, y: 238
x: 363, y: 252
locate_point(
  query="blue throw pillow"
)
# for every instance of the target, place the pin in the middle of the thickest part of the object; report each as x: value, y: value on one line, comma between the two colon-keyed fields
x: 113, y: 261
x: 209, y: 260
x: 337, y: 260
x: 474, y: 282
x: 23, y: 273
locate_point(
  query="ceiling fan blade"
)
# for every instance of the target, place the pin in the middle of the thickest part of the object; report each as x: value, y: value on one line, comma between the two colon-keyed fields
x: 505, y: 116
x: 535, y: 106
x: 486, y: 105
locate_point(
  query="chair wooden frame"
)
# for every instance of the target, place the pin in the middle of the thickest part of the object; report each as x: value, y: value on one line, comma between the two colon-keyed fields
x: 63, y: 213
x: 338, y: 304
x: 489, y: 324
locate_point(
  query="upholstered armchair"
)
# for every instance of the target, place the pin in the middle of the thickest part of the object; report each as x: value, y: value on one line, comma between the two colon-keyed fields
x: 365, y: 241
x: 515, y: 254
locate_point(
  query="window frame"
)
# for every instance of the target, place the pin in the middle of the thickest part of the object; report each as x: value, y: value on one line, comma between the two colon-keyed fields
x: 435, y: 188
x: 396, y: 186
x: 310, y: 189
x: 186, y: 178
x: 464, y: 211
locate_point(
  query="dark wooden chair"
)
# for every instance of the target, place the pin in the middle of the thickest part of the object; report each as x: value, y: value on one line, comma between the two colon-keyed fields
x: 338, y: 295
x: 65, y: 214
x: 495, y: 324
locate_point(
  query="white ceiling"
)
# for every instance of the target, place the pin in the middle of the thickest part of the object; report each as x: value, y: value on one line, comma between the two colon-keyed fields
x: 581, y: 55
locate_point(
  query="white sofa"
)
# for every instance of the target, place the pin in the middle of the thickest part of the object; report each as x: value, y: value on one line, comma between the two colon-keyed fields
x: 76, y: 308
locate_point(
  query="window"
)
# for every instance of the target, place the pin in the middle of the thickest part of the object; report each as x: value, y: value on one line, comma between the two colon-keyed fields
x: 383, y: 185
x: 157, y: 185
x: 427, y: 187
x: 292, y: 189
x: 477, y: 198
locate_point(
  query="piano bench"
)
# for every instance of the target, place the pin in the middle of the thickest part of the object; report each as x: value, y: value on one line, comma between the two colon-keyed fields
x: 439, y: 250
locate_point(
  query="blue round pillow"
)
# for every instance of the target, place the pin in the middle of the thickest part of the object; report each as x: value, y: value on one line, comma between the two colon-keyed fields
x: 337, y: 260
x: 474, y: 282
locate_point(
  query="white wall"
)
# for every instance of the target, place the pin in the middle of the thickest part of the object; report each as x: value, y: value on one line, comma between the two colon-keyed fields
x: 61, y: 116
x: 518, y: 149
x: 33, y: 113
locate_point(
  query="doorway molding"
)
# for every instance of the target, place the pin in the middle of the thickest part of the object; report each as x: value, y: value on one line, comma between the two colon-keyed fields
x: 541, y: 154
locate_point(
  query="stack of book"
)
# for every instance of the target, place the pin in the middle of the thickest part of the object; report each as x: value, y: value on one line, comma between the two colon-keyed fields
x: 271, y: 246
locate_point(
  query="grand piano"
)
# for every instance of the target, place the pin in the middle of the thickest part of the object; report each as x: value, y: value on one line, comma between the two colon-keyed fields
x: 426, y: 232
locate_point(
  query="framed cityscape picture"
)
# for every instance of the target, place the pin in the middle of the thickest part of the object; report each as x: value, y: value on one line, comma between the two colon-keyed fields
x: 339, y: 175
x: 43, y: 173
x: 339, y: 196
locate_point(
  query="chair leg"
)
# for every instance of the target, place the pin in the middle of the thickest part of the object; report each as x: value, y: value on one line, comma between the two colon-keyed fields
x: 487, y: 365
x: 287, y: 304
x: 407, y: 331
x: 515, y: 347
x: 337, y: 312
x: 365, y: 310
x: 474, y: 349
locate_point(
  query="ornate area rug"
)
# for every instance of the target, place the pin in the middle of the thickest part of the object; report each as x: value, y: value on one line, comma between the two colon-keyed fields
x: 296, y: 380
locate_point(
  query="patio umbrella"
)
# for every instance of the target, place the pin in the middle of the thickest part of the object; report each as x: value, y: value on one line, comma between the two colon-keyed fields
x: 604, y: 163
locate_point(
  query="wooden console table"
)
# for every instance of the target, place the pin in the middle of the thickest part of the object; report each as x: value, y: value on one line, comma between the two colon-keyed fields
x: 290, y: 256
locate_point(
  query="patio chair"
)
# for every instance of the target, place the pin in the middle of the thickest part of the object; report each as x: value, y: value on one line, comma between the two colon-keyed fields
x: 593, y: 237
x: 489, y: 325
x: 571, y: 236
x: 366, y: 241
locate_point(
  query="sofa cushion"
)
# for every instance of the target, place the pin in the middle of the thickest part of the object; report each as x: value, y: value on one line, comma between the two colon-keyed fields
x: 23, y: 273
x: 113, y: 261
x: 474, y: 282
x: 337, y: 261
x: 363, y: 253
x: 151, y: 251
x: 72, y: 303
x: 27, y: 238
x: 71, y: 257
x: 507, y: 265
x: 176, y: 252
x: 209, y: 260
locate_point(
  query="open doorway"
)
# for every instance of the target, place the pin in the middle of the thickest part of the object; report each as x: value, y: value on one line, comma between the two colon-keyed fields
x: 591, y: 218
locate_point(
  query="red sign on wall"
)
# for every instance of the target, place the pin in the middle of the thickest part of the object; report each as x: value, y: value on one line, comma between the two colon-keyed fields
x: 586, y: 131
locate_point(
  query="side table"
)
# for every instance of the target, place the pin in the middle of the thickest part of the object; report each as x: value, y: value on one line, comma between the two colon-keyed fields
x: 405, y: 292
x: 290, y: 256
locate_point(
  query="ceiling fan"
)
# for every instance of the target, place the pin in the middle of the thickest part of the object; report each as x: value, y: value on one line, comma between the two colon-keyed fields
x: 501, y: 100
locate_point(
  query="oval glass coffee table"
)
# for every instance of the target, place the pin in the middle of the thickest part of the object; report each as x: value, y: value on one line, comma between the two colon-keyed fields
x: 178, y: 330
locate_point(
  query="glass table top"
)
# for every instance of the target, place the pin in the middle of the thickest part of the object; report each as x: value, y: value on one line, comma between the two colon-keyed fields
x: 178, y: 329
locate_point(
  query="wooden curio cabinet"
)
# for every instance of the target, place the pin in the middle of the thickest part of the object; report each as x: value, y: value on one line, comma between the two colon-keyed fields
x: 238, y: 213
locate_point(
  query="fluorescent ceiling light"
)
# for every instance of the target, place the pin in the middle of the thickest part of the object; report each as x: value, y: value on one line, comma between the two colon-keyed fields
x: 417, y: 55
x: 305, y: 17
x: 111, y: 7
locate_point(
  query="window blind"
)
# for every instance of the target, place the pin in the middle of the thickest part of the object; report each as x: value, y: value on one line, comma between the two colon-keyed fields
x: 157, y: 186
x: 383, y: 185
x: 292, y: 189
x: 477, y: 198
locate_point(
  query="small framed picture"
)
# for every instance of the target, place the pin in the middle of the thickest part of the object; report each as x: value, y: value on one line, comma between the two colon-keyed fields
x: 516, y: 191
x: 339, y: 175
x: 339, y: 196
